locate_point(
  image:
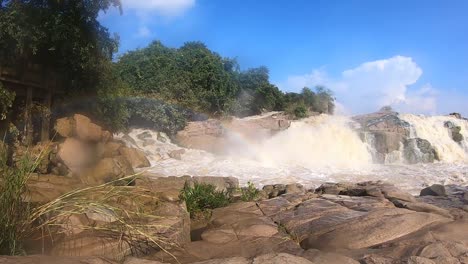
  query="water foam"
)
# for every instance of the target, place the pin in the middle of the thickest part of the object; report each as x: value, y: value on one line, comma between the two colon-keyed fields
x: 432, y: 128
x: 316, y: 150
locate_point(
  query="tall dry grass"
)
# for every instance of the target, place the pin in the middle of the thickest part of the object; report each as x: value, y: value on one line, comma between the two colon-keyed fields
x: 125, y: 211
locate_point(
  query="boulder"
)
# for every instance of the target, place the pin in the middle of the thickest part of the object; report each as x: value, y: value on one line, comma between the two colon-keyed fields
x: 177, y: 154
x: 76, y: 155
x: 109, y: 149
x: 434, y: 190
x: 385, y: 131
x: 86, y: 130
x: 65, y: 127
x: 136, y: 157
x: 456, y: 115
x: 419, y: 150
x: 272, y: 191
x: 374, y: 189
x: 167, y: 187
x: 45, y: 188
x: 107, y: 170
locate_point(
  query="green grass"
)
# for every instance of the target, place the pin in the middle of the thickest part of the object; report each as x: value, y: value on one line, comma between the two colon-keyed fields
x: 249, y: 193
x: 201, y: 198
x: 14, y: 212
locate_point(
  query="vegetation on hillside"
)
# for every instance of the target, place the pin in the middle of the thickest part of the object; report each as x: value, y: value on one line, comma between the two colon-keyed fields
x: 66, y: 37
x: 199, y: 79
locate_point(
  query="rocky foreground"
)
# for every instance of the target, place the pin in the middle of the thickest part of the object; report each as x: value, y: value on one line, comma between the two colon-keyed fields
x: 369, y: 222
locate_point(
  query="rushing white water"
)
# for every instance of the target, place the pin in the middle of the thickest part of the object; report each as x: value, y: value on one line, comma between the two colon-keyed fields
x: 310, y: 152
x: 432, y: 129
x: 318, y: 142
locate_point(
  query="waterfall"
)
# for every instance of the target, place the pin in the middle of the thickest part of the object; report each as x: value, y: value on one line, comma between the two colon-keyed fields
x: 434, y: 129
x: 319, y: 141
x: 315, y: 150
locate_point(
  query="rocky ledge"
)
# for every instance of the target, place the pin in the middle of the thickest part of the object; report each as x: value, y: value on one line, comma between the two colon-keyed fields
x: 368, y: 222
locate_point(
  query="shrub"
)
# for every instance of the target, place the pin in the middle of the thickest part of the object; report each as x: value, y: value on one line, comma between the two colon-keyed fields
x: 249, y: 193
x: 154, y: 114
x: 298, y: 111
x: 201, y: 198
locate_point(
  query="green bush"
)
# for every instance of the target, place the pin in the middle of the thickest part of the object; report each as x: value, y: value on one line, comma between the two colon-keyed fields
x: 201, y: 198
x: 298, y: 111
x: 154, y: 114
x: 249, y: 193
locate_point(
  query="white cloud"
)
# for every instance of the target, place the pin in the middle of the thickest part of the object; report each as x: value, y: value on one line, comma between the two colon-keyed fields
x: 374, y: 84
x: 143, y: 32
x: 166, y: 8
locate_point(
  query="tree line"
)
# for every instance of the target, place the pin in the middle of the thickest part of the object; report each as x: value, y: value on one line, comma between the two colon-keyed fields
x: 156, y: 86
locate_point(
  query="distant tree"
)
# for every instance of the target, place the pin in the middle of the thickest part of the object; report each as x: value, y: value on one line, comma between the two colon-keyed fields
x: 325, y: 100
x: 191, y: 76
x: 309, y: 97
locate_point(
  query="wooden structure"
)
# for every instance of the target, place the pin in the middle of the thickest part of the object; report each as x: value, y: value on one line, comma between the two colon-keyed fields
x: 35, y: 84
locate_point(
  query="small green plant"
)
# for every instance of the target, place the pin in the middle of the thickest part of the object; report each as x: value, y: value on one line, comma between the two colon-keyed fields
x: 14, y: 211
x: 249, y: 193
x: 202, y: 197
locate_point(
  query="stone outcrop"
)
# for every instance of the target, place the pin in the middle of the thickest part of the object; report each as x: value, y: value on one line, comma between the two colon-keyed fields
x: 385, y: 131
x: 455, y: 131
x: 390, y: 138
x: 361, y: 221
x: 367, y: 222
x: 91, y: 153
x: 419, y: 150
x: 215, y: 135
x: 135, y: 156
x: 434, y: 190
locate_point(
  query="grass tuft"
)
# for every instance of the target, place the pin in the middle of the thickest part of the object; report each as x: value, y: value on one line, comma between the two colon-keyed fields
x: 126, y: 213
x: 14, y: 212
x: 249, y: 193
x: 201, y: 198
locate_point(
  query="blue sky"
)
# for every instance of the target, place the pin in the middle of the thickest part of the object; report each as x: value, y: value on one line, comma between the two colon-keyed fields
x: 412, y: 55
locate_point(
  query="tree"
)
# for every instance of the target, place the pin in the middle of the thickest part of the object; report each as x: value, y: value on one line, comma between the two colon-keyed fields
x: 326, y: 101
x: 192, y: 76
x: 61, y: 35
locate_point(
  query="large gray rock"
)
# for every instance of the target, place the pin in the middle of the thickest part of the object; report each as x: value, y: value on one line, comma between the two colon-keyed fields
x: 385, y: 131
x: 418, y: 150
x: 434, y: 190
x: 455, y: 131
